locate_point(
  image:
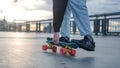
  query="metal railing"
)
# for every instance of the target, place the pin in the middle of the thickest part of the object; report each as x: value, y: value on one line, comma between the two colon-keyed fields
x: 106, y: 24
x: 101, y: 24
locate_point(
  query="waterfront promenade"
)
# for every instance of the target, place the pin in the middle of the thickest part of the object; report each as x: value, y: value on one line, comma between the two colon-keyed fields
x: 23, y: 50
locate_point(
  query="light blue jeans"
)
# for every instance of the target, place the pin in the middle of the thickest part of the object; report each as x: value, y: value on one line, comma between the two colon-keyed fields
x: 80, y: 13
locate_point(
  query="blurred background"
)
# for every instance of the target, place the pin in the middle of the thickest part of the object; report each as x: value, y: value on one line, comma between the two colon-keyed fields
x: 36, y: 16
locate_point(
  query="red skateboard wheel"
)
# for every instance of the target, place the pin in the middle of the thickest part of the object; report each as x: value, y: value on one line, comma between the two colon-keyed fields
x: 73, y: 52
x: 44, y: 47
x: 54, y: 49
x: 63, y: 51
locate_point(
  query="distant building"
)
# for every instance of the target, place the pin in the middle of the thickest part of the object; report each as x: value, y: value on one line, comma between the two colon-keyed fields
x: 3, y: 25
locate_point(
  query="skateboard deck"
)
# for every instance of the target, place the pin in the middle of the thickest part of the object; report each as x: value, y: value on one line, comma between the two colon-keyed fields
x: 66, y: 47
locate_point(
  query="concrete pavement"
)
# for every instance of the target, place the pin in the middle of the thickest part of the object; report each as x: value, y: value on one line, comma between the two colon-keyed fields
x: 25, y: 52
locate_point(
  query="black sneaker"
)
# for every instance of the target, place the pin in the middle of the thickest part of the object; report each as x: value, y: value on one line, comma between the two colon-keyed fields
x: 87, y: 43
x: 64, y: 39
x: 48, y: 38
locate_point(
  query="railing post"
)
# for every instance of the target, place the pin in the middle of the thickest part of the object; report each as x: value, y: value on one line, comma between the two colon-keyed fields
x: 27, y: 27
x: 74, y: 27
x: 107, y: 23
x: 39, y: 27
x: 104, y: 26
x: 36, y: 27
x: 50, y: 27
x: 14, y: 27
x: 96, y: 26
x: 20, y: 28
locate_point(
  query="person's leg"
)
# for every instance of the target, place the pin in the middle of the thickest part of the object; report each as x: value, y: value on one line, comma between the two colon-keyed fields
x: 65, y: 27
x: 80, y: 14
x: 59, y: 7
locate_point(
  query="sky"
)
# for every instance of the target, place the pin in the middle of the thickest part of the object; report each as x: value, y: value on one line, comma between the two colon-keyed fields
x: 42, y: 9
x: 26, y: 9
